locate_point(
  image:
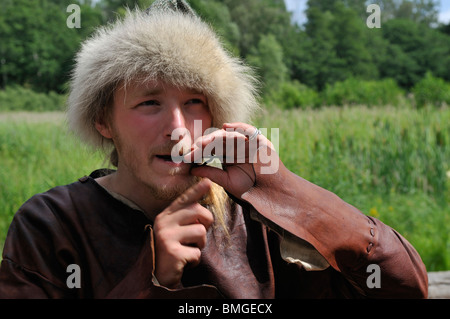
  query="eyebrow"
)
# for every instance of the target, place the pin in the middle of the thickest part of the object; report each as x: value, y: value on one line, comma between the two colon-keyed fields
x: 149, y: 92
x: 194, y: 91
x: 159, y: 90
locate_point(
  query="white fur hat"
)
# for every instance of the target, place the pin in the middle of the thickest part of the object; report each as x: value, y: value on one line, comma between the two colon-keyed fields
x: 167, y: 42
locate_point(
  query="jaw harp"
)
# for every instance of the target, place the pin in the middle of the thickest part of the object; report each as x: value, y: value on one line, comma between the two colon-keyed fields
x: 208, y: 159
x: 205, y: 160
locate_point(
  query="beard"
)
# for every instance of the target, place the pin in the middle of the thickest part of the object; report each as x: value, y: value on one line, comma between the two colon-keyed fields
x: 164, y: 191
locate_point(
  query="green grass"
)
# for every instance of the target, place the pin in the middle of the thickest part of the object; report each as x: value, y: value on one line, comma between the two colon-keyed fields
x: 391, y: 163
x: 36, y: 155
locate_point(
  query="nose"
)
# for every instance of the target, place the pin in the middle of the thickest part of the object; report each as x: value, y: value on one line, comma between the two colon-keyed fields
x: 175, y: 120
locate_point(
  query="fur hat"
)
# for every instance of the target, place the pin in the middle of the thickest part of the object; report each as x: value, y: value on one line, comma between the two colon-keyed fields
x: 167, y: 42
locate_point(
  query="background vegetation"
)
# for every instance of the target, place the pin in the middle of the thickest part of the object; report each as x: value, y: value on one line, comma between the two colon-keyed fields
x: 332, y: 46
x: 362, y: 112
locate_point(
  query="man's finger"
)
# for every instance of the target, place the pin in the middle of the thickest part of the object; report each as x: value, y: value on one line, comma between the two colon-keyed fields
x: 192, y: 256
x: 191, y: 195
x: 194, y: 214
x: 240, y: 125
x: 193, y: 235
x: 212, y: 145
x: 217, y: 175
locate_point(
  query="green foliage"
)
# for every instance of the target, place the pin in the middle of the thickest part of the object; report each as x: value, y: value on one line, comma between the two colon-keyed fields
x: 111, y: 9
x: 218, y: 15
x: 268, y: 60
x: 353, y: 91
x: 18, y: 98
x: 256, y: 18
x: 293, y: 94
x: 382, y: 150
x: 36, y: 155
x: 37, y: 47
x: 337, y: 46
x: 431, y: 90
x: 419, y: 11
x: 413, y: 50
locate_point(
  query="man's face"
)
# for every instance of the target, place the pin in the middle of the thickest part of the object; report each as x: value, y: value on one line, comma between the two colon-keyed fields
x: 143, y: 119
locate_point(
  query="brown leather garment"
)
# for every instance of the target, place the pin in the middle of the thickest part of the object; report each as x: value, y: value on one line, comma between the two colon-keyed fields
x: 83, y: 224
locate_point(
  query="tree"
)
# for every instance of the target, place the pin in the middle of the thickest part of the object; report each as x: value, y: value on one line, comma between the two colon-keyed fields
x: 419, y: 11
x: 400, y: 66
x: 37, y: 46
x: 415, y: 49
x: 352, y: 43
x: 256, y: 18
x: 267, y: 57
x: 112, y: 8
x: 445, y: 28
x: 321, y: 62
x: 218, y: 15
x: 336, y: 47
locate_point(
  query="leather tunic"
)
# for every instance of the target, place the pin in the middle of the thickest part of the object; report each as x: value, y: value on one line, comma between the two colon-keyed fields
x: 112, y: 244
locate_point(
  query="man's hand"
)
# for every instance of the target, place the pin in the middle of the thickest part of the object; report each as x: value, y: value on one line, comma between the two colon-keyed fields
x: 243, y: 169
x: 180, y: 234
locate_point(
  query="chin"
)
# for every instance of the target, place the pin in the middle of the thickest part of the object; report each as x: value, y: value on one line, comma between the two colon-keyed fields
x: 172, y: 186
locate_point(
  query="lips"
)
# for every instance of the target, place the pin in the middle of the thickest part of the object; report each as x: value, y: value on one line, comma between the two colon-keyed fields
x: 170, y: 158
x: 167, y: 158
x: 171, y: 153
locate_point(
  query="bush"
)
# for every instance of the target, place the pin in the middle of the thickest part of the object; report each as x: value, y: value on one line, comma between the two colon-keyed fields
x: 431, y: 90
x: 294, y: 95
x: 371, y: 93
x: 17, y: 98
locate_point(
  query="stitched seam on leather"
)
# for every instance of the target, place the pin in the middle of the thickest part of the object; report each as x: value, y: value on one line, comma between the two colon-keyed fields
x: 30, y: 271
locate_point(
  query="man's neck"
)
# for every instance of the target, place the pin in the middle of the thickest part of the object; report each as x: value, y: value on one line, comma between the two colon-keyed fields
x: 132, y: 191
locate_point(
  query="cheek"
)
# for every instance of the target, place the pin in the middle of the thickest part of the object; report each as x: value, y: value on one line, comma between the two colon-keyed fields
x: 196, y: 130
x: 135, y: 135
x: 134, y: 126
x: 206, y: 121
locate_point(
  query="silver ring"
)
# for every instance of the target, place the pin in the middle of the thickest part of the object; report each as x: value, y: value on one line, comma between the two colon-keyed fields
x: 257, y: 132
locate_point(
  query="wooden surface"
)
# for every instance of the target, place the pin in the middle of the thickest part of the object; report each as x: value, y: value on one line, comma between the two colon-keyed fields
x: 439, y: 285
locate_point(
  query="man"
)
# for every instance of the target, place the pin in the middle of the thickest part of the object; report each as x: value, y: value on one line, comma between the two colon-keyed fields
x: 163, y: 225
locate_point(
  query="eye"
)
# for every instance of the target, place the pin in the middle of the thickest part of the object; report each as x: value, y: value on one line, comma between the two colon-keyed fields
x: 149, y: 103
x: 195, y: 101
x: 196, y: 106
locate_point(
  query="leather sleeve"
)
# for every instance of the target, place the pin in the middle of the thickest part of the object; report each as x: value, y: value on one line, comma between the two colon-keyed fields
x: 346, y: 238
x: 33, y: 265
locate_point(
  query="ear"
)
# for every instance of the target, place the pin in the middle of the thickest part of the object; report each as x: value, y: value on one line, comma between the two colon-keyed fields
x: 104, y: 129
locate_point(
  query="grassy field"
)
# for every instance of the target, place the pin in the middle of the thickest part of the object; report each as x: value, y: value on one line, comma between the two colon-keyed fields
x: 37, y: 153
x: 391, y: 163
